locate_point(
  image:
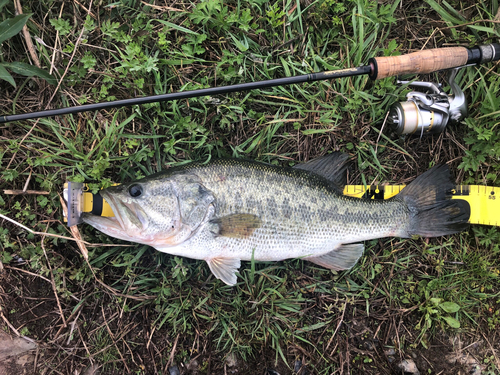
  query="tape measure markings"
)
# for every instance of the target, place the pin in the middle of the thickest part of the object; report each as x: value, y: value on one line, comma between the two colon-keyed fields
x: 484, y: 201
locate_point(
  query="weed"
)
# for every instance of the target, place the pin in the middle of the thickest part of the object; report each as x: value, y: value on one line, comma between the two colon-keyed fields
x: 10, y: 27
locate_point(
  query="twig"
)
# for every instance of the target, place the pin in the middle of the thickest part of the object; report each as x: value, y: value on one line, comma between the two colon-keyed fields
x: 113, y: 338
x: 158, y: 7
x: 150, y: 337
x: 75, y: 232
x: 77, y: 311
x: 26, y: 192
x: 27, y: 36
x: 396, y: 329
x: 131, y: 352
x: 485, y: 74
x: 468, y: 23
x: 87, y: 10
x: 10, y: 325
x: 57, y: 235
x: 429, y: 38
x: 114, y: 291
x: 336, y: 329
x: 381, y: 130
x: 20, y: 143
x: 34, y: 56
x: 27, y: 182
x: 55, y: 45
x: 492, y: 350
x: 497, y: 18
x: 53, y: 282
x: 28, y: 272
x: 69, y: 62
x: 88, y: 244
x: 85, y: 345
x: 468, y: 346
x: 172, y: 353
x: 72, y: 324
x: 35, y: 363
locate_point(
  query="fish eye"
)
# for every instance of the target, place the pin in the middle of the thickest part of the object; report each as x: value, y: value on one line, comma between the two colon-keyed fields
x: 135, y: 190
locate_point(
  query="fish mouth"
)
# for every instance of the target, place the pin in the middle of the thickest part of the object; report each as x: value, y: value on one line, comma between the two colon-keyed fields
x: 128, y: 224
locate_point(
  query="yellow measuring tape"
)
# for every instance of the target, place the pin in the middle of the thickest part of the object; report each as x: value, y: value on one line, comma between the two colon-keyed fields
x: 484, y: 200
x: 90, y: 202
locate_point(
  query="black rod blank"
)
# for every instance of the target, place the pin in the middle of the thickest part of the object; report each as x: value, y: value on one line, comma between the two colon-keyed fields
x: 191, y: 94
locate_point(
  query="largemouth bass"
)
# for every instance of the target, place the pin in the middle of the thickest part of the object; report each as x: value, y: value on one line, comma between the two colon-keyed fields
x: 230, y: 210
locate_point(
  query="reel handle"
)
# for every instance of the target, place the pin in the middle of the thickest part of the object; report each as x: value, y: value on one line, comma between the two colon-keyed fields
x: 431, y: 60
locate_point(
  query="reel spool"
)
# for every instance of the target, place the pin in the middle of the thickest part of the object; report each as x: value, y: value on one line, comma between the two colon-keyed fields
x: 429, y: 111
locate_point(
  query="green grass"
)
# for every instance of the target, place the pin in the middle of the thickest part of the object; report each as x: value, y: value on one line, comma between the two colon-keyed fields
x: 403, y: 294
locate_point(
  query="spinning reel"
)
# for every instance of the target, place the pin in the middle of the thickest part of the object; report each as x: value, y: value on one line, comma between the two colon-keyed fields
x: 429, y: 111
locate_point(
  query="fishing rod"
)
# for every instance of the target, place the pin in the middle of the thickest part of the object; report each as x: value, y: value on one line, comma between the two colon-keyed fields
x: 422, y: 62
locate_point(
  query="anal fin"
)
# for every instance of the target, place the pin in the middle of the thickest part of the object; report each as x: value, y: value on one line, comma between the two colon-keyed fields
x: 224, y: 269
x: 342, y: 258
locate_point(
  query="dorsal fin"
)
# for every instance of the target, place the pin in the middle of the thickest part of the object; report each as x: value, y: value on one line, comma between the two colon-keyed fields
x: 333, y: 167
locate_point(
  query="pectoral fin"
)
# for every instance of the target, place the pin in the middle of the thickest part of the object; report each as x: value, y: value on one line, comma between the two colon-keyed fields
x: 225, y: 269
x: 342, y: 258
x: 237, y: 225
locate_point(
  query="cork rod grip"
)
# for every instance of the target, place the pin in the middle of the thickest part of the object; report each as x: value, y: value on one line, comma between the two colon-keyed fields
x: 421, y: 62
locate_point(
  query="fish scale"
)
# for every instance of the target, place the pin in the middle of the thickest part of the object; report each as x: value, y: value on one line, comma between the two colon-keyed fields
x: 230, y: 210
x: 312, y: 200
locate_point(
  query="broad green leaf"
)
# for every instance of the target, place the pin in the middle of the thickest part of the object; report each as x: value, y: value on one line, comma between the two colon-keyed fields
x: 30, y: 71
x: 176, y: 27
x: 483, y: 28
x: 449, y: 307
x: 12, y: 26
x: 5, y: 75
x: 436, y: 301
x: 453, y: 11
x: 452, y: 322
x: 312, y: 327
x: 443, y: 13
x: 316, y: 131
x: 179, y: 62
x: 3, y: 3
x: 242, y: 47
x: 61, y: 25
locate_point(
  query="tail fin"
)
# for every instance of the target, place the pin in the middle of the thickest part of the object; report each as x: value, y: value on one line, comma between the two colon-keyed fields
x: 432, y: 211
